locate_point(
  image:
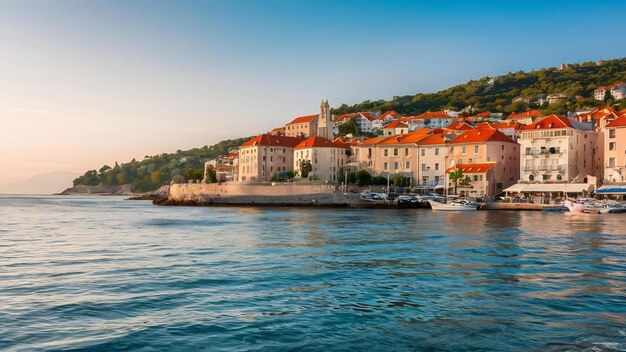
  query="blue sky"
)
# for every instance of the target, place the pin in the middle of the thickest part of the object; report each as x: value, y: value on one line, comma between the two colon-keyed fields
x: 92, y: 82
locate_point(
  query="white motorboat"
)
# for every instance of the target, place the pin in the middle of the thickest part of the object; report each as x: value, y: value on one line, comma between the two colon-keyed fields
x: 578, y: 205
x: 453, y: 206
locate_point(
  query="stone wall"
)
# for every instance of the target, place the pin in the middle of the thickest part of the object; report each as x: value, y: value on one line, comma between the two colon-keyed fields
x: 236, y: 193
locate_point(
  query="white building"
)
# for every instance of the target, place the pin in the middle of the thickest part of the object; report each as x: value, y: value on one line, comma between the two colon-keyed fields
x: 557, y: 148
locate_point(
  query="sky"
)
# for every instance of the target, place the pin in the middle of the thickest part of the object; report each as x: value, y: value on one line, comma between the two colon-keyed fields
x: 87, y: 83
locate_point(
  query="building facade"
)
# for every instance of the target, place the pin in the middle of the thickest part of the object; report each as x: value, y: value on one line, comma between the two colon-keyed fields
x: 327, y: 158
x: 557, y: 149
x: 264, y: 156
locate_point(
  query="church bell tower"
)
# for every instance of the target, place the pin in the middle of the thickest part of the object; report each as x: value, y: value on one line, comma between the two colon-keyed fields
x: 324, y: 122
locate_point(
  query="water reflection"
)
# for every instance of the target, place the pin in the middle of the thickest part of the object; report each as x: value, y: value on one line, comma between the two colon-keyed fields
x: 104, y: 274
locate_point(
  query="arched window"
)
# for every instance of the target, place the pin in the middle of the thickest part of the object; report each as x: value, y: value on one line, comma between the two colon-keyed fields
x: 559, y: 177
x: 531, y: 178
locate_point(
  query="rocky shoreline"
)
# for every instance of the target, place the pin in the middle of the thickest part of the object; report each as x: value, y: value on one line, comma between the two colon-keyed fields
x: 119, y: 190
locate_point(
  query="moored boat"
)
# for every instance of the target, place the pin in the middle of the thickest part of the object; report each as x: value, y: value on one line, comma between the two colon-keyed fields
x: 453, y: 206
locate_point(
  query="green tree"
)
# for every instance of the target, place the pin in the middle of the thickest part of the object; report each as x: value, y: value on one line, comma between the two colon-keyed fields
x: 211, y: 176
x: 363, y: 177
x: 401, y: 181
x: 348, y: 127
x: 455, y: 175
x: 305, y: 168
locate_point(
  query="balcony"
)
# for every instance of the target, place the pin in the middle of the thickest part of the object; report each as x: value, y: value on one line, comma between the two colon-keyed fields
x: 528, y: 168
x: 544, y: 151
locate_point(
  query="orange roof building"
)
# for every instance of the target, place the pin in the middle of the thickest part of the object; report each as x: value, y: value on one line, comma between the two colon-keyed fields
x: 526, y: 117
x: 486, y: 145
x: 327, y: 158
x: 302, y: 126
x: 558, y: 149
x: 264, y: 156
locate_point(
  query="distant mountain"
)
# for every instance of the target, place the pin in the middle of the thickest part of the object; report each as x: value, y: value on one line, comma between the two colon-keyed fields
x: 512, y: 92
x: 48, y: 183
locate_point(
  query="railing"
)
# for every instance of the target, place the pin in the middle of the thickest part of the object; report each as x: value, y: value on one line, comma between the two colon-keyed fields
x: 543, y: 152
x: 545, y: 167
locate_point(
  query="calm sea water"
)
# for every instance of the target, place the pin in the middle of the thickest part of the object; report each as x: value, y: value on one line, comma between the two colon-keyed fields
x: 105, y: 274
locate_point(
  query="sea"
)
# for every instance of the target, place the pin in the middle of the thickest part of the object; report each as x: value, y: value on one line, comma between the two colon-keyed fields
x: 109, y: 274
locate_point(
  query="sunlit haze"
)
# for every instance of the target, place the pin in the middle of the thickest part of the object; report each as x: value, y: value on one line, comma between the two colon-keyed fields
x: 87, y: 83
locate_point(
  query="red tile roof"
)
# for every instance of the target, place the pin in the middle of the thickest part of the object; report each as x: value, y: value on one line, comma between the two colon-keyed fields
x: 319, y: 142
x: 480, y: 135
x: 433, y: 139
x: 269, y: 140
x: 501, y: 125
x: 472, y: 168
x: 484, y: 114
x: 620, y: 122
x: 394, y: 114
x: 459, y: 126
x: 549, y: 122
x: 374, y: 140
x: 303, y: 119
x: 525, y: 114
x: 433, y: 115
x: 396, y: 124
x: 366, y: 115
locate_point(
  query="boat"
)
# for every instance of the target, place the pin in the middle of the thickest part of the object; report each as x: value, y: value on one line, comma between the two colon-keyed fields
x: 453, y: 206
x: 612, y: 208
x: 555, y: 208
x: 578, y: 205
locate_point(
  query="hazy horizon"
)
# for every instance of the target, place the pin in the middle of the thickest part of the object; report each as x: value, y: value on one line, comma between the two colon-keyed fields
x: 91, y: 83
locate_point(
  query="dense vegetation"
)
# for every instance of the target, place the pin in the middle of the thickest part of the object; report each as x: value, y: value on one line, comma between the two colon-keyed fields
x: 153, y: 171
x: 497, y: 94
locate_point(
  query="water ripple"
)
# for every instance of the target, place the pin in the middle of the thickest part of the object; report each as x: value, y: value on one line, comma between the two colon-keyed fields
x: 104, y: 274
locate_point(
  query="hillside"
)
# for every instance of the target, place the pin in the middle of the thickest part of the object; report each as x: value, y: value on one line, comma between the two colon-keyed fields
x: 496, y: 94
x: 151, y: 172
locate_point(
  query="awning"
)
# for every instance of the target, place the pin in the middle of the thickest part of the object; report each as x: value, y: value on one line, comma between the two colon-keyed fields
x: 550, y: 188
x: 612, y: 189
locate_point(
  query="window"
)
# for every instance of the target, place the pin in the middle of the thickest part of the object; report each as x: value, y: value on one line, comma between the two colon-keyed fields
x: 423, y: 152
x: 407, y: 165
x: 385, y: 166
x: 463, y: 150
x: 546, y: 177
x: 436, y: 166
x: 436, y: 151
x: 406, y: 151
x: 475, y: 149
x: 395, y: 151
x: 469, y: 161
x: 451, y: 150
x: 271, y: 158
x: 612, y: 133
x: 612, y: 146
x: 503, y: 147
x: 385, y: 152
x: 395, y: 166
x: 475, y: 177
x: 611, y: 162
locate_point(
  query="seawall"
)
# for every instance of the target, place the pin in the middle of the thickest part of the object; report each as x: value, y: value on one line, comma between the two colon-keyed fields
x: 257, y: 194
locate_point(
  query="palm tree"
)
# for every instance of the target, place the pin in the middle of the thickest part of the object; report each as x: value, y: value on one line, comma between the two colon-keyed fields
x: 455, y: 175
